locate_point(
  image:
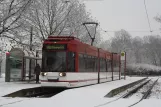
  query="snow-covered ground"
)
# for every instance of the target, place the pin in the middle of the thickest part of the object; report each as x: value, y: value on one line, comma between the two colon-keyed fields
x: 156, y: 91
x: 90, y: 96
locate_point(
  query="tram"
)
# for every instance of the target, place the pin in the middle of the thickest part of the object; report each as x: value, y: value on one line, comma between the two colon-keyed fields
x: 67, y: 62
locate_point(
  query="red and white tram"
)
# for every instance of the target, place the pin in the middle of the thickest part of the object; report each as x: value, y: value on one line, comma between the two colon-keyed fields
x: 67, y: 62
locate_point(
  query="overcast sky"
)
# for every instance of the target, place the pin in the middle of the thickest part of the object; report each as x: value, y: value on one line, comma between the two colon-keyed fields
x: 130, y: 15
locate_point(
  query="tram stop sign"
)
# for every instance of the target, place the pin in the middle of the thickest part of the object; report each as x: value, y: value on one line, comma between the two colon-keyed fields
x: 122, y: 55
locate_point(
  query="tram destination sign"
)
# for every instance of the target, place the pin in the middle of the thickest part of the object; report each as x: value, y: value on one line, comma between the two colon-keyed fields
x: 55, y: 47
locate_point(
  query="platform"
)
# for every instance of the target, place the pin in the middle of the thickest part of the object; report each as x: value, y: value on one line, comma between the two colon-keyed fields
x: 88, y: 96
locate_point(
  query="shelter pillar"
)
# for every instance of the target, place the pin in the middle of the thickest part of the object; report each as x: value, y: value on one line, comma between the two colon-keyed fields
x: 7, y: 69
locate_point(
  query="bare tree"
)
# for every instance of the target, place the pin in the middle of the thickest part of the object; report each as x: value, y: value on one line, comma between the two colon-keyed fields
x: 10, y: 12
x: 137, y: 44
x: 106, y: 45
x: 45, y: 17
x: 54, y: 17
x: 121, y: 41
x: 158, y: 18
x: 152, y: 45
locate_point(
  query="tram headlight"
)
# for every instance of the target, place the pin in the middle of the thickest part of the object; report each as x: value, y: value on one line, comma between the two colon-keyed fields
x: 43, y: 73
x: 62, y: 74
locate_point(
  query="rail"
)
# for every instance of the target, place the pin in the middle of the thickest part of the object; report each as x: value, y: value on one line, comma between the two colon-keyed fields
x: 126, y: 94
x: 145, y: 94
x: 135, y: 89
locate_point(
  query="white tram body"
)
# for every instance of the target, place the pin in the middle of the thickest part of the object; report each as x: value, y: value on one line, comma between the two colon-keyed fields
x: 75, y: 79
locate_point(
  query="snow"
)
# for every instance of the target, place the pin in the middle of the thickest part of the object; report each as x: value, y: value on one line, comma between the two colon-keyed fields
x: 90, y: 96
x: 9, y: 87
x: 2, y: 75
x: 149, y: 103
x: 156, y: 91
x: 128, y: 90
x: 139, y: 93
x: 140, y: 67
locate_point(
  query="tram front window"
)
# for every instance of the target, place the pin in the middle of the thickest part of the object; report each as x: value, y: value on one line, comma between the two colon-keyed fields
x: 54, y: 61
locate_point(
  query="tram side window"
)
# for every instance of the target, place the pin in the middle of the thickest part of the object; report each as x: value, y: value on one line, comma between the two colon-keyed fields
x: 89, y: 64
x: 85, y: 59
x: 71, y: 62
x: 94, y: 63
x: 116, y: 65
x: 82, y: 62
x: 102, y: 65
x: 108, y: 62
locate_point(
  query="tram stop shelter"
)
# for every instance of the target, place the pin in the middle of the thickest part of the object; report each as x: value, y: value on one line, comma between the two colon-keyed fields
x: 20, y: 65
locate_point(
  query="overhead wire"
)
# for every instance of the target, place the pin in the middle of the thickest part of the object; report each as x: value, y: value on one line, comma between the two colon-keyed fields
x: 148, y: 17
x: 128, y: 31
x: 149, y: 24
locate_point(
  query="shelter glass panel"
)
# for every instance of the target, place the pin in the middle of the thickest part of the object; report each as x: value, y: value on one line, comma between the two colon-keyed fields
x: 33, y: 62
x: 27, y: 61
x: 15, y: 67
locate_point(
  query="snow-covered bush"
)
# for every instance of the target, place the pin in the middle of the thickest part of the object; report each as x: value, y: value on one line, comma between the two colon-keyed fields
x: 143, y: 69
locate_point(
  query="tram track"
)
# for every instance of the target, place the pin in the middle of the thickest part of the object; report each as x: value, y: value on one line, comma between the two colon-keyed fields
x: 146, y: 94
x: 132, y: 91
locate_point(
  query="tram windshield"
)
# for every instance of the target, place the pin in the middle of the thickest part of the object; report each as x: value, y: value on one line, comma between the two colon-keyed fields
x: 54, y: 61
